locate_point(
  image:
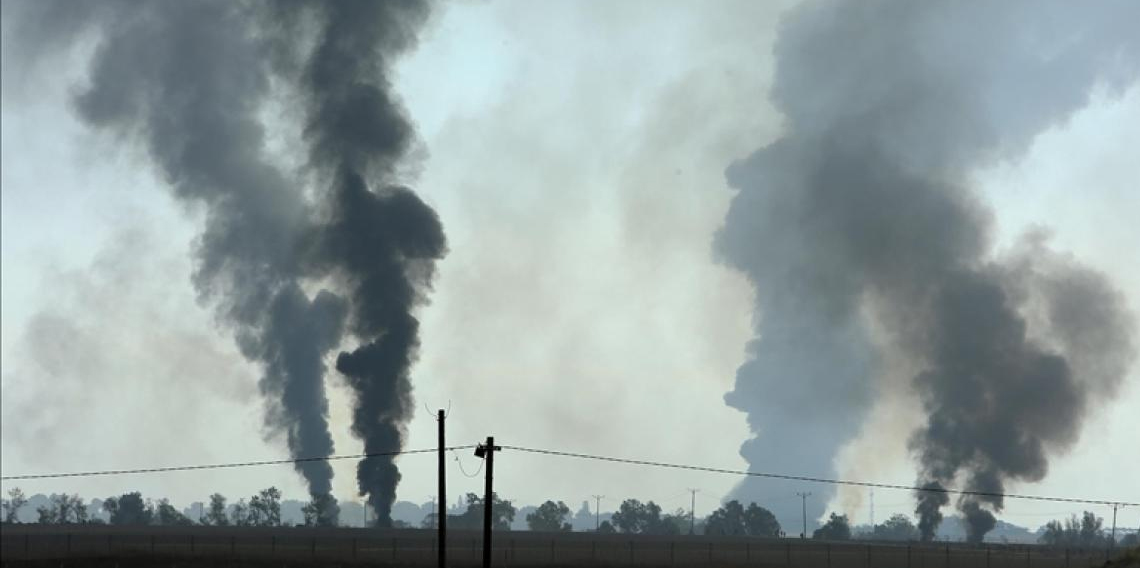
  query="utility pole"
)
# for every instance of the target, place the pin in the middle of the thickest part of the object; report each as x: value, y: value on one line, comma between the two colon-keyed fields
x: 804, y: 497
x: 872, y: 510
x: 692, y: 508
x: 597, y: 511
x: 441, y: 515
x: 1112, y: 541
x: 487, y: 452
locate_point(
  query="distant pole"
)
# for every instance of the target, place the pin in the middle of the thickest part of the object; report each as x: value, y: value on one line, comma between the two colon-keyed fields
x: 692, y: 508
x: 872, y: 510
x: 1112, y: 540
x: 597, y: 511
x: 442, y: 514
x: 487, y: 452
x: 804, y: 497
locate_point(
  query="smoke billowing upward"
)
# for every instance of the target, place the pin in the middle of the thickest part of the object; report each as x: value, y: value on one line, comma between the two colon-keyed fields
x: 186, y: 81
x: 381, y: 241
x: 862, y: 212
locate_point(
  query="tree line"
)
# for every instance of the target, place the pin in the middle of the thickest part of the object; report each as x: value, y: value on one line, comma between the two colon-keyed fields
x: 633, y: 516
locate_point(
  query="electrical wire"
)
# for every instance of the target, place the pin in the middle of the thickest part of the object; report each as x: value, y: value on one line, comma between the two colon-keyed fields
x: 814, y: 479
x: 226, y: 465
x: 463, y: 471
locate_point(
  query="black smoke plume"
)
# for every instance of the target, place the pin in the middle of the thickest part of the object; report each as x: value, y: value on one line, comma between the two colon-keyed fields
x: 861, y: 217
x: 187, y: 81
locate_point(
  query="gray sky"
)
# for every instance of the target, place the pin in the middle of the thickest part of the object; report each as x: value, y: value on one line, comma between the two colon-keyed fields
x: 575, y: 153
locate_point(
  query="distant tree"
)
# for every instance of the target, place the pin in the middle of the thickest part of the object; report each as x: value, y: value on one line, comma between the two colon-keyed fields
x: 1086, y: 530
x: 128, y: 509
x: 216, y: 513
x: 759, y: 521
x: 239, y: 515
x: 1091, y: 531
x: 429, y: 521
x: 636, y: 517
x: 1130, y: 540
x: 606, y: 528
x: 502, y: 514
x: 836, y: 528
x: 676, y: 522
x: 16, y: 501
x: 166, y: 515
x: 265, y: 508
x: 728, y: 520
x: 549, y: 516
x: 1054, y: 534
x: 321, y: 511
x: 898, y: 527
x: 63, y: 509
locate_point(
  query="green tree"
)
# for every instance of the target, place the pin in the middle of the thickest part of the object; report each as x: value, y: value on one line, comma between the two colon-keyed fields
x: 321, y: 511
x: 216, y: 513
x: 128, y: 509
x: 898, y: 527
x: 549, y: 516
x: 836, y: 528
x: 16, y: 501
x: 606, y: 528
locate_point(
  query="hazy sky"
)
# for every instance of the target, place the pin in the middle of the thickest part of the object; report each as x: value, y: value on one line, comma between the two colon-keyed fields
x: 575, y: 153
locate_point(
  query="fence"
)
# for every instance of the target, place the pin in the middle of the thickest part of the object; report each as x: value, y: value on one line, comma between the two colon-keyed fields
x: 418, y: 548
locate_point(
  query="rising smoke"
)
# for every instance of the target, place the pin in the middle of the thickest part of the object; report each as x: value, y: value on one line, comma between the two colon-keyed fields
x: 187, y: 81
x: 863, y: 213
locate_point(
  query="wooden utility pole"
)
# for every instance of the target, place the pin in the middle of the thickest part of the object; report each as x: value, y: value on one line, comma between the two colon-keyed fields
x: 487, y: 452
x: 441, y: 515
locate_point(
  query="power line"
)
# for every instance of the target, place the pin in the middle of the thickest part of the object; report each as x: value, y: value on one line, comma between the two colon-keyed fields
x: 224, y: 465
x: 815, y: 479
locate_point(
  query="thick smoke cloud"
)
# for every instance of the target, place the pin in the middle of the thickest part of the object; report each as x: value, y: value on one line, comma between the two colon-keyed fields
x: 862, y: 212
x: 187, y: 81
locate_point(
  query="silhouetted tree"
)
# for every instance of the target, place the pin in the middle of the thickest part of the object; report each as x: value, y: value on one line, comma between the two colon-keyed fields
x: 606, y: 528
x: 128, y: 509
x: 16, y: 501
x: 502, y: 514
x: 728, y: 520
x: 759, y: 521
x: 549, y: 516
x: 216, y: 512
x: 63, y: 509
x: 898, y: 527
x: 265, y: 508
x: 239, y: 515
x: 321, y: 511
x: 166, y: 515
x: 1086, y: 530
x: 836, y: 528
x: 642, y: 518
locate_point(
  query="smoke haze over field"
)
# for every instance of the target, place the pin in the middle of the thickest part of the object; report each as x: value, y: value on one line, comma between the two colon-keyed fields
x: 187, y: 82
x: 863, y: 210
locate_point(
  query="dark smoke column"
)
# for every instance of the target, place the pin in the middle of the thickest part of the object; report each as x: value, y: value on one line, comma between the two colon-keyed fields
x: 379, y: 240
x: 186, y: 81
x: 859, y: 228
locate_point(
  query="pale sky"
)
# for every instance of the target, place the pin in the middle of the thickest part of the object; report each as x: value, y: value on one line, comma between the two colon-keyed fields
x: 575, y: 153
